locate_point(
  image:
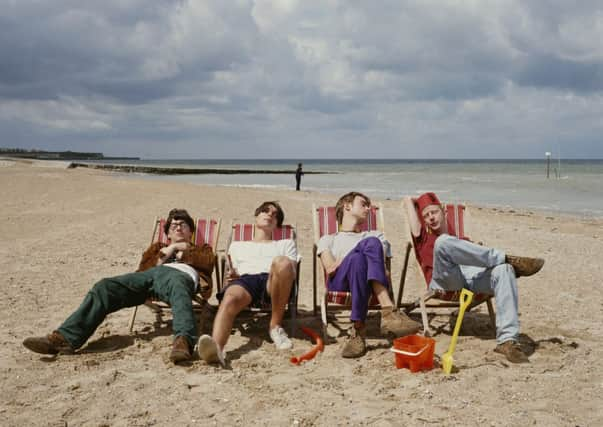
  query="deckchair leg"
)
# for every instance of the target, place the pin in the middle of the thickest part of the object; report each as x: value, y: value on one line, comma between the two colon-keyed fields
x: 403, y: 275
x: 323, y: 315
x: 132, y: 318
x: 491, y: 313
x: 426, y: 330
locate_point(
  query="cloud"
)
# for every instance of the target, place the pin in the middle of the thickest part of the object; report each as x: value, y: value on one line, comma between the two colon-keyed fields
x: 330, y: 78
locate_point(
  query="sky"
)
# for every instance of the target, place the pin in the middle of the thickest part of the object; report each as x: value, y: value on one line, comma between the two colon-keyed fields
x: 303, y: 79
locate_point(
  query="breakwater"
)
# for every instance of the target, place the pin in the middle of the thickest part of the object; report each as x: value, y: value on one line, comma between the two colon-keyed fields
x: 188, y: 171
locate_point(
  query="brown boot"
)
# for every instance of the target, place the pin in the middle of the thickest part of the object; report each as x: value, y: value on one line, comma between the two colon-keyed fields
x: 512, y: 351
x: 181, y: 350
x: 53, y: 343
x: 397, y: 324
x: 355, y: 344
x: 524, y: 266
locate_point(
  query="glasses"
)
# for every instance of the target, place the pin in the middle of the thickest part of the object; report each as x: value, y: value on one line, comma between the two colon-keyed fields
x: 174, y: 225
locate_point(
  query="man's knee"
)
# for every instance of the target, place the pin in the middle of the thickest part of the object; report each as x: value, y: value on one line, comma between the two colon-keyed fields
x: 282, y: 265
x: 372, y: 242
x: 442, y: 243
x: 235, y: 297
x: 102, y: 286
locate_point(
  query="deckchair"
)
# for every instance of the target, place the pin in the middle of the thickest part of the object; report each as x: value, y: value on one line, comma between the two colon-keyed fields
x: 325, y: 223
x: 457, y: 219
x: 241, y: 232
x: 207, y: 230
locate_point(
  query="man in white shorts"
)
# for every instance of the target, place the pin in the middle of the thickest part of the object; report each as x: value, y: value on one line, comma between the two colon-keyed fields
x: 262, y: 272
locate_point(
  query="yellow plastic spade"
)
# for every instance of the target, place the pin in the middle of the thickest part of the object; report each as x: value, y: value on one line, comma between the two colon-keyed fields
x: 464, y: 301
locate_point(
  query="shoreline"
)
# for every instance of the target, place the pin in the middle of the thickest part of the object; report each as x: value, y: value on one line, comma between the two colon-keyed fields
x: 130, y: 174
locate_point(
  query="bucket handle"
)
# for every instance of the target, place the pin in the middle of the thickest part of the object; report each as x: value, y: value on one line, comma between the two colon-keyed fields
x: 408, y: 353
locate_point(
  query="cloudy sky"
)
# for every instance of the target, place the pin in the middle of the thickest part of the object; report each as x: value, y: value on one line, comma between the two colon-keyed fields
x: 303, y: 79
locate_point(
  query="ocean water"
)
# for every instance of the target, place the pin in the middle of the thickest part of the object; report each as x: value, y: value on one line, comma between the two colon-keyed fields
x: 574, y: 186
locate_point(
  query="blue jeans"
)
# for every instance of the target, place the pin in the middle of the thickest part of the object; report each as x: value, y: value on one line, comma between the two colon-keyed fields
x: 461, y: 264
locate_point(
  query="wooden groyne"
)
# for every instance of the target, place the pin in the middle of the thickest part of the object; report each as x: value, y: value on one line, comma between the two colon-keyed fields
x: 187, y: 171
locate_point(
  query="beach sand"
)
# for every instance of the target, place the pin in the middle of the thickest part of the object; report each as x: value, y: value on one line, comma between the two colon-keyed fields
x: 64, y: 229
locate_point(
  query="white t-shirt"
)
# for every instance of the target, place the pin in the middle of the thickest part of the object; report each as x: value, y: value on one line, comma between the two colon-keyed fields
x: 185, y: 268
x: 341, y: 243
x: 256, y: 257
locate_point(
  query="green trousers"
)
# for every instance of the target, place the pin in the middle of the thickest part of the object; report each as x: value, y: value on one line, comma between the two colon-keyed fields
x: 128, y: 290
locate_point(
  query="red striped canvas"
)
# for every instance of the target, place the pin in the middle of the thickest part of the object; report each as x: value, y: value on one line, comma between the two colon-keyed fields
x: 245, y: 232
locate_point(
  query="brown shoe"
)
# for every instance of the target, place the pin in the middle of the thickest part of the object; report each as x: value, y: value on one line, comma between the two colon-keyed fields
x: 397, y: 324
x: 181, y: 350
x: 354, y: 345
x: 512, y: 351
x: 524, y: 266
x: 53, y: 343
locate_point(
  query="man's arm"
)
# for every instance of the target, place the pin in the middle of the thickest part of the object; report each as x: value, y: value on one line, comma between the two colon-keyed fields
x: 329, y: 262
x: 413, y: 218
x: 201, y: 258
x: 150, y: 257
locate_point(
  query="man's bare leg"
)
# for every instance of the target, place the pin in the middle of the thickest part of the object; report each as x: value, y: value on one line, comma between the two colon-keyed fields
x: 234, y: 301
x: 280, y: 282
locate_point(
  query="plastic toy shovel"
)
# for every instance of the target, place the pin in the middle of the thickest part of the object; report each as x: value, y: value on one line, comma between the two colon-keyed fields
x: 464, y: 301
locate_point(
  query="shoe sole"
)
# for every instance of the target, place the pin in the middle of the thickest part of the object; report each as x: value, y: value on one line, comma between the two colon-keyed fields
x: 179, y: 356
x: 46, y: 349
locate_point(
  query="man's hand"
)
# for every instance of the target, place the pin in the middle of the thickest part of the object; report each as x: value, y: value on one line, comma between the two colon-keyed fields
x: 231, y: 275
x: 177, y: 248
x: 332, y: 268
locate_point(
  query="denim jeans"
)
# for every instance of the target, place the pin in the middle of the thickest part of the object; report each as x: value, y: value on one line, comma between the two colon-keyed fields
x: 461, y: 264
x: 128, y: 290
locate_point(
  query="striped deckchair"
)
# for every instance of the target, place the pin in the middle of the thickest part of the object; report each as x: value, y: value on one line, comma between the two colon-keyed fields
x: 207, y: 230
x: 244, y: 232
x: 457, y: 218
x: 325, y: 223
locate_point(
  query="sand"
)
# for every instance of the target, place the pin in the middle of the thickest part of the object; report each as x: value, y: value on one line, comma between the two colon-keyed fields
x: 63, y: 229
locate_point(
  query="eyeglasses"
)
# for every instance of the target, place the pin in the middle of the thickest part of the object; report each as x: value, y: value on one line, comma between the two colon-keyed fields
x: 174, y: 225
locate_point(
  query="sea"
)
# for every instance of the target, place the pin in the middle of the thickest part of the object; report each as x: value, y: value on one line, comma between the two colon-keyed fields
x: 572, y: 187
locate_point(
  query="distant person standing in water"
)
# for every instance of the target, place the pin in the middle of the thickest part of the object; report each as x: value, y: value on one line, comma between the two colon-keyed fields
x: 298, y: 175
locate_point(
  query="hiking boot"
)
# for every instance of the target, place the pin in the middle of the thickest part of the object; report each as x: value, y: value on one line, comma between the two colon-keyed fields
x: 208, y: 350
x: 280, y: 339
x: 181, y: 350
x: 512, y: 351
x: 524, y: 266
x: 397, y: 324
x: 53, y: 343
x: 354, y: 345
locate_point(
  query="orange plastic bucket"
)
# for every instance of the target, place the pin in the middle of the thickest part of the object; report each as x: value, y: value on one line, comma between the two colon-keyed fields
x: 414, y: 352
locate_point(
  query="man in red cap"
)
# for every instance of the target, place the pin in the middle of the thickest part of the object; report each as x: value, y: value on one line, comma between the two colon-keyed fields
x: 450, y: 264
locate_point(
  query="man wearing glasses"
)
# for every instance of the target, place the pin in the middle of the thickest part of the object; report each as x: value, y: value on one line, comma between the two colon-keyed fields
x: 169, y: 272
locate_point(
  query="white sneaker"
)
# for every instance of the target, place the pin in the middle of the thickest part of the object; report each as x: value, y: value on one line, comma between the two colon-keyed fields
x: 208, y: 350
x: 280, y: 338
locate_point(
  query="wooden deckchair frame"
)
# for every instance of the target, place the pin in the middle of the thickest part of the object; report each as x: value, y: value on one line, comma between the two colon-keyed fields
x: 434, y: 299
x: 211, y: 226
x: 246, y: 233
